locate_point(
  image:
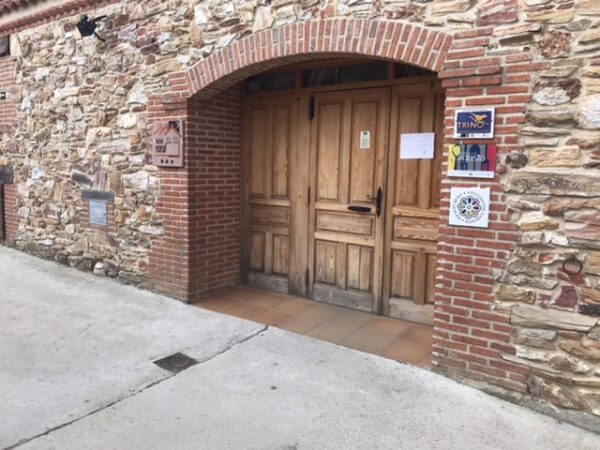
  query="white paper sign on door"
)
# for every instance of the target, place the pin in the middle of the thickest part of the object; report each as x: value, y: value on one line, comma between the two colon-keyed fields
x: 417, y: 145
x: 365, y: 140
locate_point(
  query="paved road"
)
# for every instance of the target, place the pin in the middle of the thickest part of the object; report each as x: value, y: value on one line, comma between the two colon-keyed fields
x: 76, y: 372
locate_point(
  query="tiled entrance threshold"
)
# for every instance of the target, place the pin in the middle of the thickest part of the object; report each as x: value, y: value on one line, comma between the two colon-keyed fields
x: 391, y: 338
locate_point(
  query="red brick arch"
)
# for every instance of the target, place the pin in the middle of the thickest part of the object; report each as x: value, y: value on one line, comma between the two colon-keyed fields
x: 393, y: 40
x: 188, y: 261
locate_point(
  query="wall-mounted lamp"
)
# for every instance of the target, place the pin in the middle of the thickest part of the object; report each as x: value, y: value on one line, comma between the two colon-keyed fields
x: 87, y: 26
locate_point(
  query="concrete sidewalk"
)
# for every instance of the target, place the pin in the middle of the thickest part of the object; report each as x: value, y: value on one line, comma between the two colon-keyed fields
x: 76, y: 372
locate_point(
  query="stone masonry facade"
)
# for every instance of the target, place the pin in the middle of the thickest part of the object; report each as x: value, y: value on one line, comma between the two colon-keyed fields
x: 508, y: 316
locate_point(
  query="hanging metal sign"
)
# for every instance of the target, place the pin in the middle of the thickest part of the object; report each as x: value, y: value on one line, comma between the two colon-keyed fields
x: 167, y: 143
x: 474, y: 123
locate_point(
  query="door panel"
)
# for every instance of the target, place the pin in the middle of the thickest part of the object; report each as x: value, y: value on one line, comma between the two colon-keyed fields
x: 269, y: 127
x: 344, y: 245
x: 412, y: 217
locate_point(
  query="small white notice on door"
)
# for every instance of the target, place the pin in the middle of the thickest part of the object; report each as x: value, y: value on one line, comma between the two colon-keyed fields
x: 365, y: 140
x: 417, y: 145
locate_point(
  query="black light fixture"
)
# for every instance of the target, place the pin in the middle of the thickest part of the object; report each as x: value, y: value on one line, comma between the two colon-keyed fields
x: 87, y: 26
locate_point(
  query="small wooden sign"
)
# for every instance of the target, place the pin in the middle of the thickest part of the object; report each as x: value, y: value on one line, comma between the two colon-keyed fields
x: 167, y: 143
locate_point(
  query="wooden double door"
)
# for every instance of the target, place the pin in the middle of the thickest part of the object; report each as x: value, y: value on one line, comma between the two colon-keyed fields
x: 329, y: 210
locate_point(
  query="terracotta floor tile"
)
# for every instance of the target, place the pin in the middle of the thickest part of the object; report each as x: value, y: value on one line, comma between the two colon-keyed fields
x: 392, y: 338
x: 293, y: 305
x: 367, y: 342
x: 270, y: 317
x: 419, y: 334
x: 265, y: 301
x: 406, y: 351
x: 352, y: 319
x: 387, y: 327
x: 323, y: 311
x: 245, y: 311
x: 216, y: 304
x: 240, y: 294
x: 299, y: 324
x: 330, y: 333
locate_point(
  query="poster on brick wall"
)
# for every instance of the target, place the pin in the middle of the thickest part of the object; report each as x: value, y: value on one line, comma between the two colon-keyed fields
x: 167, y: 143
x: 470, y: 207
x: 472, y: 160
x: 474, y: 123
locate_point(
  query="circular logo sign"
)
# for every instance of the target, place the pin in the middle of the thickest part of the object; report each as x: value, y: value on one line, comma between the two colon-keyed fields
x: 469, y: 207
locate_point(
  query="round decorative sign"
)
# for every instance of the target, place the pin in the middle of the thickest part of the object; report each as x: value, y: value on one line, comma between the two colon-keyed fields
x: 469, y: 207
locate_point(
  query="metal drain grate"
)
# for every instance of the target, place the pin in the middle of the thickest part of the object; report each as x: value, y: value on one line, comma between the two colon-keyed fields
x: 176, y: 363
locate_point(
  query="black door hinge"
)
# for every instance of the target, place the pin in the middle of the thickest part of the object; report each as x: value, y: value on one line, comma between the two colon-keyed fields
x: 311, y: 108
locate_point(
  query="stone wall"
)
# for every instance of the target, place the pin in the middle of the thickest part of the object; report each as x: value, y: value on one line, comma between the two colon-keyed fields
x: 506, y: 312
x: 554, y: 198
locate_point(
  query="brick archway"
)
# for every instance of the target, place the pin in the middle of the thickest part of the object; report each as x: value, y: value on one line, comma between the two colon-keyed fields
x: 188, y: 240
x: 392, y: 40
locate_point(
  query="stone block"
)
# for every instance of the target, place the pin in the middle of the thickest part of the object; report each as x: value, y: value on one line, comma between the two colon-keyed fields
x: 588, y: 7
x: 509, y: 293
x: 589, y: 112
x: 576, y: 348
x: 555, y: 183
x: 555, y: 44
x: 534, y: 337
x: 561, y: 157
x: 531, y: 316
x: 451, y: 6
x: 556, y: 91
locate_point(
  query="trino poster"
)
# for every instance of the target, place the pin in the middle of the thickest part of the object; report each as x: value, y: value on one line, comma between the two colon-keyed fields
x: 472, y: 160
x: 470, y: 207
x: 474, y: 123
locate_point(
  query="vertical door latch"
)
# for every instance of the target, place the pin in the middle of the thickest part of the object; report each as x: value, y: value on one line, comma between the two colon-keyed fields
x: 378, y: 200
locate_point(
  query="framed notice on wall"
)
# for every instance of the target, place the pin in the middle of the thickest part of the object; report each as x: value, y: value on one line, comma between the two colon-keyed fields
x: 474, y: 123
x: 97, y: 212
x: 167, y: 143
x: 472, y: 160
x: 470, y: 207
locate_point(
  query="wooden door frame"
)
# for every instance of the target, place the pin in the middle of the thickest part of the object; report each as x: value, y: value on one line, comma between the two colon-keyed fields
x: 303, y: 195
